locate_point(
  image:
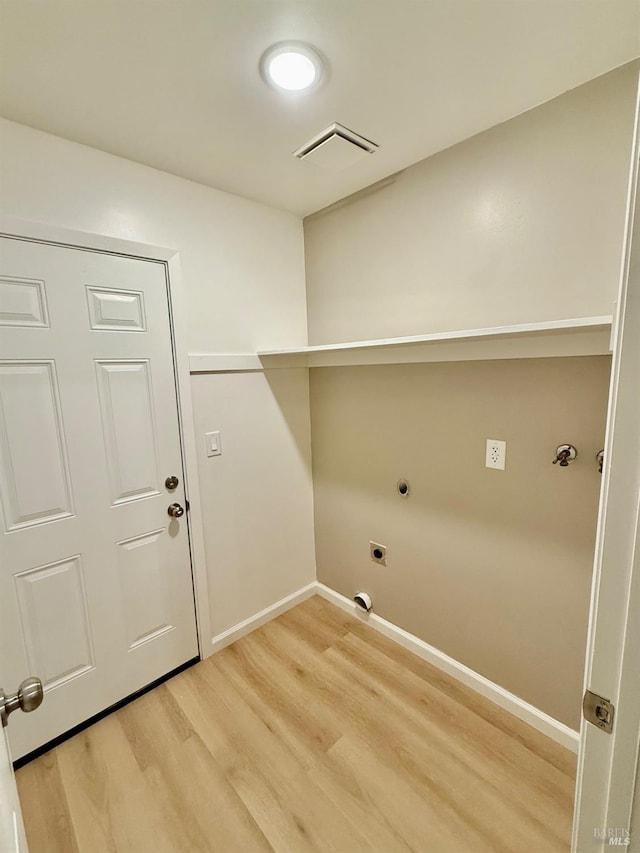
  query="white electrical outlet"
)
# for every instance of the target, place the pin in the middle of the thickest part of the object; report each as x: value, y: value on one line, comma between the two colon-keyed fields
x: 496, y: 454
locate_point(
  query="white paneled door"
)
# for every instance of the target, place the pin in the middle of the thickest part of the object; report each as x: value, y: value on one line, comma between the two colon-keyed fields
x: 96, y: 594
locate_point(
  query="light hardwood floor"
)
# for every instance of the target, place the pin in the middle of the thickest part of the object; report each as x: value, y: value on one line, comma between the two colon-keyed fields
x: 314, y: 733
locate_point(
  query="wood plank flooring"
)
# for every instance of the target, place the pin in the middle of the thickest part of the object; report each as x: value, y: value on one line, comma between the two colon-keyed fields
x: 314, y: 733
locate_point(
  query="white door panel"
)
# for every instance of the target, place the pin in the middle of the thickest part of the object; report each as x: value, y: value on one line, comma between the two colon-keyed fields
x: 116, y: 310
x: 34, y: 473
x: 47, y: 596
x: 22, y: 302
x: 146, y: 594
x: 130, y: 430
x: 95, y: 581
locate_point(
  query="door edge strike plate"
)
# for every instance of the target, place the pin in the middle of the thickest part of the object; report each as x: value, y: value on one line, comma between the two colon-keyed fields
x: 598, y: 711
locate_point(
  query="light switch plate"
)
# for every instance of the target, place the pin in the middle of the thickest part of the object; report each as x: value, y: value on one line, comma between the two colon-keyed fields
x: 213, y: 443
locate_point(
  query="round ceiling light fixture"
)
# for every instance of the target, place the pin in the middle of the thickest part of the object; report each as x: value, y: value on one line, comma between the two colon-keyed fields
x: 291, y: 67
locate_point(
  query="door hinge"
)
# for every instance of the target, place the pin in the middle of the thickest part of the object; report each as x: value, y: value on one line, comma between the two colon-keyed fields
x: 598, y: 711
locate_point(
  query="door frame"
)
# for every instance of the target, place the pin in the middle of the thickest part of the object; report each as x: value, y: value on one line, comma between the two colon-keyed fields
x: 39, y: 232
x: 608, y: 763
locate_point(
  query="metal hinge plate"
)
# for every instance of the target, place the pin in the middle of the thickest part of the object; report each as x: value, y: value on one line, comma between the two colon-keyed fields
x: 598, y: 711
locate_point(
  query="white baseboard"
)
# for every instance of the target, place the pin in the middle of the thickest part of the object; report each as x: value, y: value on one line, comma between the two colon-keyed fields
x: 550, y: 727
x: 248, y: 625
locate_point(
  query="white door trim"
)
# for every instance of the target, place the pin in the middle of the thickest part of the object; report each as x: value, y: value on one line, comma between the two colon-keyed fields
x: 45, y: 233
x: 12, y: 834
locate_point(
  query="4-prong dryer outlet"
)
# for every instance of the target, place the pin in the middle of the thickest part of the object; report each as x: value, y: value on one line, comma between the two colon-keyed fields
x: 378, y: 553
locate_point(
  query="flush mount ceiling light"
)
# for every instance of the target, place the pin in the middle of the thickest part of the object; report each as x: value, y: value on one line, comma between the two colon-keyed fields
x: 291, y: 67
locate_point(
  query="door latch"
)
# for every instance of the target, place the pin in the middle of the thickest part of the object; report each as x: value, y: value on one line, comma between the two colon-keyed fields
x: 598, y: 711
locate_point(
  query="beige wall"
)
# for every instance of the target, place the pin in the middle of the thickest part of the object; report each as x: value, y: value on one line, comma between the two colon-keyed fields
x: 522, y: 223
x: 490, y: 567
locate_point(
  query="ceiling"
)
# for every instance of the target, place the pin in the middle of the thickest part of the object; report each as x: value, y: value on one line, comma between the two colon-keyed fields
x: 174, y: 84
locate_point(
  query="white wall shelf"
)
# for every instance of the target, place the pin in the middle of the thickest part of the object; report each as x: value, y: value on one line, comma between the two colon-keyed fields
x: 555, y: 338
x: 583, y: 336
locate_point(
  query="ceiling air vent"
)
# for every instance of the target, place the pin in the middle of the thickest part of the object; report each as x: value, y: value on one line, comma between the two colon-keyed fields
x: 335, y: 148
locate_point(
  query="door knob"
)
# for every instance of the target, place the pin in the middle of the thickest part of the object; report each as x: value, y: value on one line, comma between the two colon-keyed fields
x: 175, y: 510
x: 28, y: 697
